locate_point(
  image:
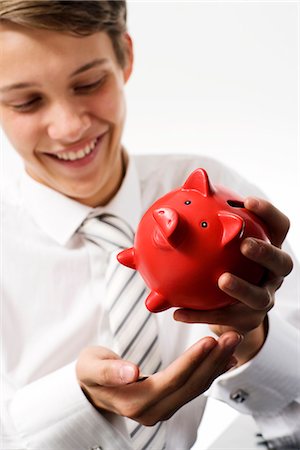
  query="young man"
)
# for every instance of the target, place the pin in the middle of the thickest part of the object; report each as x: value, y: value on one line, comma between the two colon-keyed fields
x: 63, y: 70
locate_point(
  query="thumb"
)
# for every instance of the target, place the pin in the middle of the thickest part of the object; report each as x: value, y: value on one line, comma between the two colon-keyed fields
x: 115, y: 372
x: 100, y: 366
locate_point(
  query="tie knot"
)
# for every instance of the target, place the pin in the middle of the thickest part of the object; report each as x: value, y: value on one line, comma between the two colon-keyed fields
x: 108, y: 231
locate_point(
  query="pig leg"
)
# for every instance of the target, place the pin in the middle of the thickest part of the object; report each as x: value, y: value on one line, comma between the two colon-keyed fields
x: 127, y: 258
x: 156, y: 302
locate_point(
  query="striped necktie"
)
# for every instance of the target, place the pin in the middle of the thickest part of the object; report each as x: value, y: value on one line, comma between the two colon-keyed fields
x: 133, y: 327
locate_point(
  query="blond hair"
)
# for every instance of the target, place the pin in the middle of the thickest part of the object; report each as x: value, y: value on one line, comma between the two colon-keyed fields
x: 81, y: 17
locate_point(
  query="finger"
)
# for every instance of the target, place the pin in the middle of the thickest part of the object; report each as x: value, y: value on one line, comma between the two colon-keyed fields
x: 198, y: 383
x: 277, y: 223
x: 99, y: 366
x: 177, y: 374
x: 218, y: 361
x: 246, y: 294
x: 267, y: 255
x: 117, y: 373
x: 113, y: 372
x: 256, y: 297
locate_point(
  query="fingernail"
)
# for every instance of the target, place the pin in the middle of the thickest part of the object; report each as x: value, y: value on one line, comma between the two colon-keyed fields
x: 230, y: 283
x: 180, y: 316
x: 235, y: 342
x: 127, y: 374
x: 209, y: 345
x: 252, y: 203
x: 251, y: 246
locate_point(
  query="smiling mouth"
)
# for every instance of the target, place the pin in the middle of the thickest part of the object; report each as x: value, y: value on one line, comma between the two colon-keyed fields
x: 75, y: 156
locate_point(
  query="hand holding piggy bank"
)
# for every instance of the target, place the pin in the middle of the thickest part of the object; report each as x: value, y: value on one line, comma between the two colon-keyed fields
x: 187, y: 239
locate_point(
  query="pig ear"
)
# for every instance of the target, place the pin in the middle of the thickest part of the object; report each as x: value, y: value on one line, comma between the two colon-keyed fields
x: 233, y: 226
x: 167, y: 220
x: 199, y: 181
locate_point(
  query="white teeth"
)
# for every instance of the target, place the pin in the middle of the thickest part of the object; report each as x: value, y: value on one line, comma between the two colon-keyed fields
x: 87, y: 150
x: 81, y: 153
x: 73, y: 156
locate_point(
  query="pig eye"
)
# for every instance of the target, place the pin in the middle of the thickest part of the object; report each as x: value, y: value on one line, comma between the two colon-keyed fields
x: 187, y: 202
x: 204, y: 224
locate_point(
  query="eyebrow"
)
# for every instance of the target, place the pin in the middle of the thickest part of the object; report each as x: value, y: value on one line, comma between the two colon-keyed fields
x: 85, y: 67
x: 90, y: 65
x: 14, y: 86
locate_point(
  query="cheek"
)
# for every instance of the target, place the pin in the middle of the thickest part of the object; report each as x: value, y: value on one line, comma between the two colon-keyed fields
x: 109, y: 106
x: 21, y: 131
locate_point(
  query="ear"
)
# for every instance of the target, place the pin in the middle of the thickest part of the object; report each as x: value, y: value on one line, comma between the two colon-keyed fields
x: 233, y: 225
x: 199, y: 181
x: 127, y: 70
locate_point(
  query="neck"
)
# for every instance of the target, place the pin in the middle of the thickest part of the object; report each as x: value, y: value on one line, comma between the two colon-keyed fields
x: 120, y: 172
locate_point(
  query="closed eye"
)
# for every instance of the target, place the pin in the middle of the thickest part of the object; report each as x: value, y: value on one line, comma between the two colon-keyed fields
x: 87, y: 88
x: 27, y: 106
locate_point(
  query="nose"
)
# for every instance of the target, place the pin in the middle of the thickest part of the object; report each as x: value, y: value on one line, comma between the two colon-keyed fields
x: 67, y: 123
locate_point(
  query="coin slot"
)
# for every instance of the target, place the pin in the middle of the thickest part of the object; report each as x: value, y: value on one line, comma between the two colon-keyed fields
x: 236, y: 203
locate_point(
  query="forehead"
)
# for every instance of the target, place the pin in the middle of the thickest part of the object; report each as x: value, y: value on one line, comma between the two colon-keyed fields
x: 27, y: 51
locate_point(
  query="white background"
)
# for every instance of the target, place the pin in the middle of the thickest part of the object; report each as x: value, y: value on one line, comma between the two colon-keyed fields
x: 221, y: 79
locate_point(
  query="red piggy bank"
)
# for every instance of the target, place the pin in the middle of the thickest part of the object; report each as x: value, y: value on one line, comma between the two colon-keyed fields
x: 187, y: 239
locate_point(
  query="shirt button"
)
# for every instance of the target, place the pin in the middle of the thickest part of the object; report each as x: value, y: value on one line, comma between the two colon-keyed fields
x: 239, y: 396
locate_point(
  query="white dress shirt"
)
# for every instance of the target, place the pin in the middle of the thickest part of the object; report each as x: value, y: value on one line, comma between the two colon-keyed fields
x: 53, y: 305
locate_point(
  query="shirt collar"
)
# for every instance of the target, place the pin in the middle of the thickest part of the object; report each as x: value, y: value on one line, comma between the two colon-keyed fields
x: 59, y: 216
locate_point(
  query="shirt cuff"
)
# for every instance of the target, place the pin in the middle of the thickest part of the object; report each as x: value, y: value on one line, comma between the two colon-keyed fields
x: 53, y: 413
x: 268, y: 382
